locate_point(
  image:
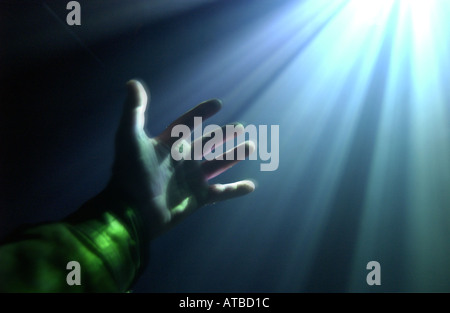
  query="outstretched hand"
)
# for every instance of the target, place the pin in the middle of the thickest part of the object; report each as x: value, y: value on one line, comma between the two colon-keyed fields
x: 166, y: 191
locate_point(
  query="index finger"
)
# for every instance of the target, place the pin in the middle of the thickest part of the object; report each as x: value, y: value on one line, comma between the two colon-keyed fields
x: 204, y: 110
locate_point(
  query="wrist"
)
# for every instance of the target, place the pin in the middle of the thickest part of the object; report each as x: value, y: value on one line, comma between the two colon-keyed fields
x: 116, y: 232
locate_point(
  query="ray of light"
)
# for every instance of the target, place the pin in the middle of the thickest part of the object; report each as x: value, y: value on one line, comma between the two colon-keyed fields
x: 358, y: 89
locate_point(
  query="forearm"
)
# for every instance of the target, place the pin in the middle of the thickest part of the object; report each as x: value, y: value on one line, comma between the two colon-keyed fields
x: 104, y: 236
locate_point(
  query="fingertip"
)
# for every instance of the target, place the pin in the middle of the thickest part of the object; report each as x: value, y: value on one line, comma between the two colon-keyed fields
x: 251, y: 146
x: 137, y: 93
x: 216, y: 103
x: 221, y: 192
x: 239, y: 128
x: 133, y: 85
x: 210, y: 107
x: 249, y: 185
x: 241, y: 123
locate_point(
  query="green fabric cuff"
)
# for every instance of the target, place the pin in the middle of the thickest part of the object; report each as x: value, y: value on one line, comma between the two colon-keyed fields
x: 115, y: 232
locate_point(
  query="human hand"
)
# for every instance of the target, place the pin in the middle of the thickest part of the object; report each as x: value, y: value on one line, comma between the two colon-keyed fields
x: 146, y: 176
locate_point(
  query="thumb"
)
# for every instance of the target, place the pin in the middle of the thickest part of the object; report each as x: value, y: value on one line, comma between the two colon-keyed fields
x: 133, y: 117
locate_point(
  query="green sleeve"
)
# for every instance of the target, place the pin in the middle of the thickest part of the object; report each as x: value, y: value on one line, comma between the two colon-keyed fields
x: 104, y: 236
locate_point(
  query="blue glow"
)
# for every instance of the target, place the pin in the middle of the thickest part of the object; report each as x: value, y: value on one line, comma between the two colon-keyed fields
x: 359, y: 90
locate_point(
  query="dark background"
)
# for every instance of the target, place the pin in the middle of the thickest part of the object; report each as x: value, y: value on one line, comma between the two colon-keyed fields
x: 61, y: 94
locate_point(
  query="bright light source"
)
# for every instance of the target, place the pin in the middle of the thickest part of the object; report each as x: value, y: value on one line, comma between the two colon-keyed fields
x: 369, y: 13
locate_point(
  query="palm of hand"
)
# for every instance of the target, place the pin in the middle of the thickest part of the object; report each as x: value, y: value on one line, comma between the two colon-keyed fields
x: 165, y: 190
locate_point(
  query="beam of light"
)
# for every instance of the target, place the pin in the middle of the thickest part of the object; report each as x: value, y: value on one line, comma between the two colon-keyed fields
x: 358, y: 89
x: 429, y: 147
x: 413, y: 136
x: 392, y: 45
